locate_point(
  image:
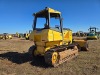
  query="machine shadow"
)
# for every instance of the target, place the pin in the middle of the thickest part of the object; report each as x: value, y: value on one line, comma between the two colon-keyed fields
x: 16, y: 57
x: 39, y: 61
x: 20, y: 58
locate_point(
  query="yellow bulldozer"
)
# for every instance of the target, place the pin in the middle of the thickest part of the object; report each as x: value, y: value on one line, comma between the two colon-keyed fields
x: 6, y: 36
x: 1, y: 36
x: 19, y: 35
x: 26, y: 35
x: 52, y: 40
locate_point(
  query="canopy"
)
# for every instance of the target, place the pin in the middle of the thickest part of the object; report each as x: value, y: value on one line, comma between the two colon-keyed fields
x: 44, y: 13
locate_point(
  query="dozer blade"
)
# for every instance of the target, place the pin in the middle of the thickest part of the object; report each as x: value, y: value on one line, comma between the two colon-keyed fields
x: 56, y: 58
x: 82, y: 44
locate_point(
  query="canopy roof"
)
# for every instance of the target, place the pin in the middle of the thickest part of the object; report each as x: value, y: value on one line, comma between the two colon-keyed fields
x: 44, y: 13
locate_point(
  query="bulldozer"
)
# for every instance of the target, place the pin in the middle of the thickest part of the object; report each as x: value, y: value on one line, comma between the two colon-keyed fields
x: 7, y: 36
x: 26, y: 35
x: 51, y: 41
x: 80, y: 34
x: 19, y: 35
x: 92, y: 35
x: 1, y: 36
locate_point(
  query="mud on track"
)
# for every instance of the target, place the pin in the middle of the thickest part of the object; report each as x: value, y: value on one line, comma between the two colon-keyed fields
x: 14, y: 60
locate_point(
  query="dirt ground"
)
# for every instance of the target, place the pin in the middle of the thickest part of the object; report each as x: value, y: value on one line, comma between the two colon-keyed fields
x: 14, y: 60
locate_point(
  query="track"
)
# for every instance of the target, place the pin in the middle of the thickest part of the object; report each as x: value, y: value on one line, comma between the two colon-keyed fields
x: 59, y: 55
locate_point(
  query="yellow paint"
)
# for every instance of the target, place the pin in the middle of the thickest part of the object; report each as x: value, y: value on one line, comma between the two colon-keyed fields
x: 81, y: 42
x: 48, y: 38
x: 54, y: 57
x: 92, y: 37
x: 50, y: 10
x: 45, y: 39
x: 67, y: 36
x: 53, y: 11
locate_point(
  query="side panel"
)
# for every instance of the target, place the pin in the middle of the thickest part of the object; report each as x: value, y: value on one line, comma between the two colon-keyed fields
x: 54, y: 35
x: 45, y: 35
x: 67, y: 34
